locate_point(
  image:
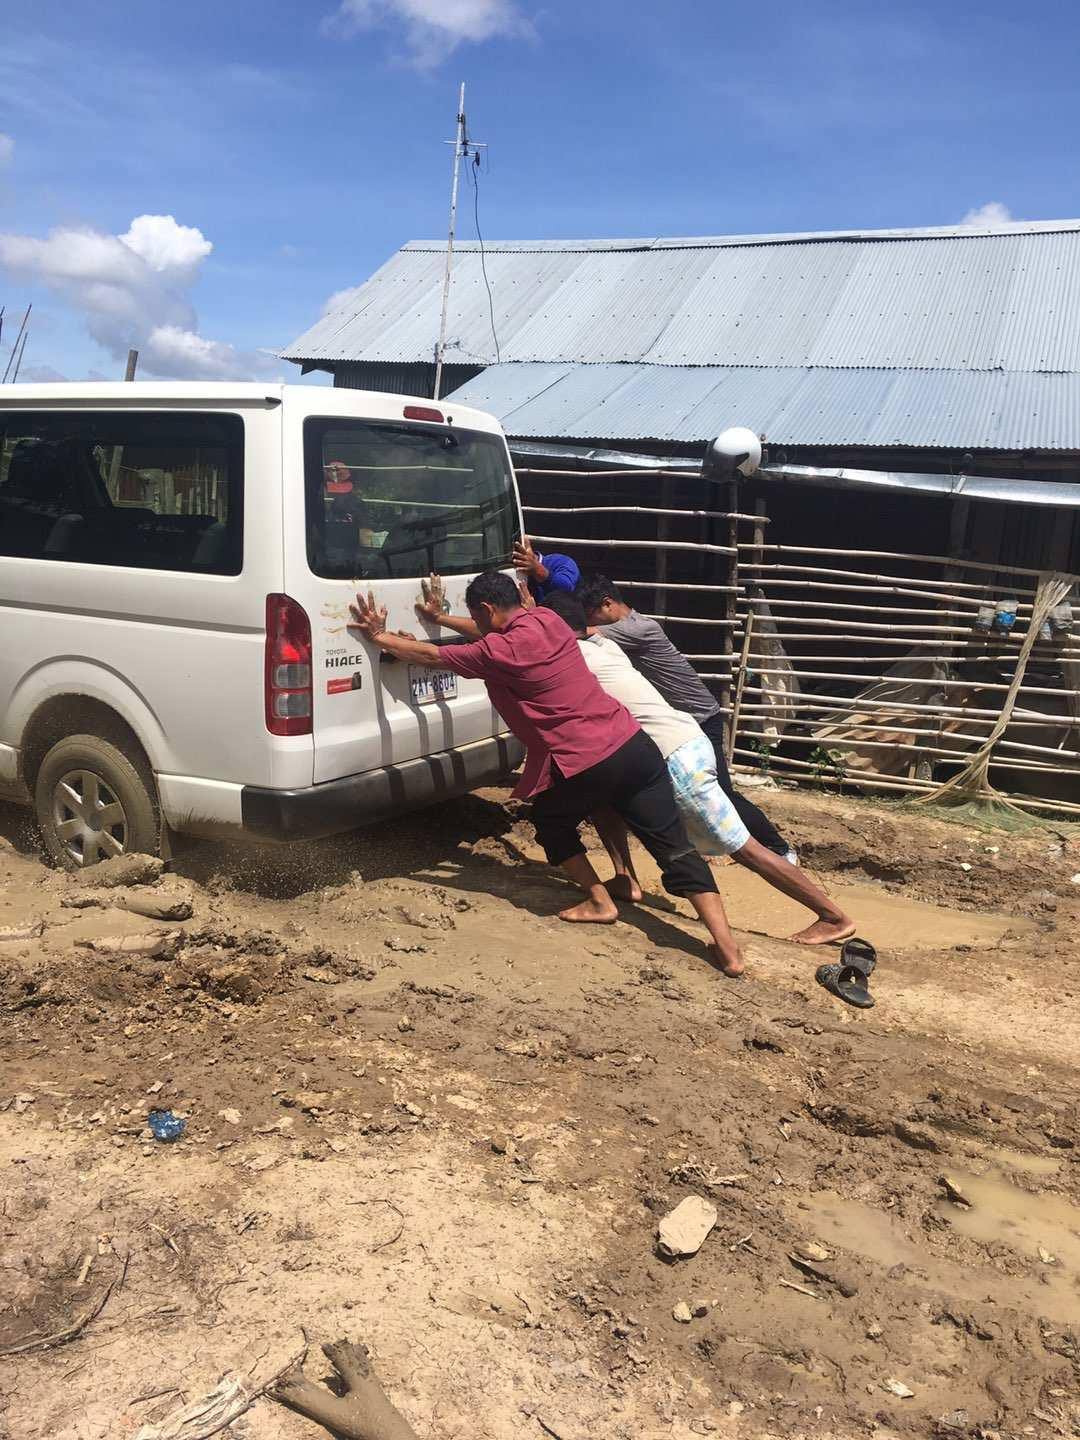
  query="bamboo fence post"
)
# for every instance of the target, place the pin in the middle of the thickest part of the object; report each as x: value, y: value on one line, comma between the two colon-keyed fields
x: 740, y: 685
x: 760, y: 521
x: 728, y: 644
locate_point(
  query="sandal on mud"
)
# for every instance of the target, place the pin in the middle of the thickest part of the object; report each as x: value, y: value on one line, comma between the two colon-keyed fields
x: 847, y: 983
x: 859, y: 954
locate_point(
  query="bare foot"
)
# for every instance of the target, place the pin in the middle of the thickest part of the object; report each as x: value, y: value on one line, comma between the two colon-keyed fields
x: 590, y: 912
x: 825, y: 932
x: 623, y: 887
x: 732, y: 967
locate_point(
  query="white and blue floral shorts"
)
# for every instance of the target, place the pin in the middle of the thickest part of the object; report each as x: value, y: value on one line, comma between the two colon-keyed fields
x: 711, y: 821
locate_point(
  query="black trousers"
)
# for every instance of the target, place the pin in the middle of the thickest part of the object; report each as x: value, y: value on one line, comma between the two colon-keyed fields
x: 635, y: 783
x: 756, y: 821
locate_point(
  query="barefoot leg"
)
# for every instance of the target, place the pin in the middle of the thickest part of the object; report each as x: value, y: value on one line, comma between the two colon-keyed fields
x: 597, y: 908
x: 723, y: 952
x: 616, y: 839
x: 831, y: 926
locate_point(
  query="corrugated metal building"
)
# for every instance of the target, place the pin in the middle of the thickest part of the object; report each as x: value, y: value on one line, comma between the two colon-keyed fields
x: 902, y: 350
x: 951, y: 339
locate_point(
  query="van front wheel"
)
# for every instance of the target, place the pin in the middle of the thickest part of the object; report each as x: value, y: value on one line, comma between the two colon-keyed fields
x: 93, y: 803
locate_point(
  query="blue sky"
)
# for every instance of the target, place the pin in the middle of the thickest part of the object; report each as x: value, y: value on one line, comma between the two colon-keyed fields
x: 296, y: 145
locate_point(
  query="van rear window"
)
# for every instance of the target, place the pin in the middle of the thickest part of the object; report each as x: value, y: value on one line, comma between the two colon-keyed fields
x: 387, y: 499
x: 138, y: 489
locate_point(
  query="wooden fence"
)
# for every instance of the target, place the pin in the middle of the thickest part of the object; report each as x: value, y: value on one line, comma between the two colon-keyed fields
x: 877, y: 669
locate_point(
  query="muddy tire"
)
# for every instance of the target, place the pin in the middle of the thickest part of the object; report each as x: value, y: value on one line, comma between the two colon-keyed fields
x: 94, y: 801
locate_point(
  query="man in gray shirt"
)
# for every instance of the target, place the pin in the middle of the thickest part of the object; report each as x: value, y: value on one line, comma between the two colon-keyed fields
x: 668, y: 669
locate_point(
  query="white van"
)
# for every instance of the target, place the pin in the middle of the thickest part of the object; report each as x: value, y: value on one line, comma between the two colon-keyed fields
x: 176, y: 565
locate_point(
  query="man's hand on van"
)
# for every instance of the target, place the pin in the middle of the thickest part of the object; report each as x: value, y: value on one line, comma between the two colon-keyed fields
x: 526, y: 560
x: 368, y: 618
x: 527, y: 601
x: 433, y: 605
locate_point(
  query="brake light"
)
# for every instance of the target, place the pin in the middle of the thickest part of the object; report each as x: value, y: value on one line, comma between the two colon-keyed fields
x: 288, y: 667
x: 423, y: 412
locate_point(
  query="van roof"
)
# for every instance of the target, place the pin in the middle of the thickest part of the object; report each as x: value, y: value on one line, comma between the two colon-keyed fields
x: 308, y: 399
x: 217, y: 390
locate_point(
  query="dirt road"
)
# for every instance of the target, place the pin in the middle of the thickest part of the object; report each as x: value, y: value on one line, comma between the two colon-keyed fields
x: 422, y: 1111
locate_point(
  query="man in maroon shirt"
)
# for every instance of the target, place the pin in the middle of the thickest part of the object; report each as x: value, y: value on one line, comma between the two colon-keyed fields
x: 584, y: 749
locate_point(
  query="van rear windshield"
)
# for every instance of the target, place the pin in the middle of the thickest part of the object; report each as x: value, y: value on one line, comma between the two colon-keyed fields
x: 388, y: 500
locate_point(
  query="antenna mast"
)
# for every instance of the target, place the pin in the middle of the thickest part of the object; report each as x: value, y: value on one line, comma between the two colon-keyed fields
x: 459, y: 143
x: 15, y: 348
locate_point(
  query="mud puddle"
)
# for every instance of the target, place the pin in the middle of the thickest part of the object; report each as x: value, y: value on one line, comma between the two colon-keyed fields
x: 1041, y: 1165
x: 1034, y: 1225
x: 1048, y: 1221
x: 893, y: 921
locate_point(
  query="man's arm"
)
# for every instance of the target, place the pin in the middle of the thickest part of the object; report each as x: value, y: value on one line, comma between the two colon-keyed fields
x: 461, y: 623
x: 370, y: 620
x: 432, y: 606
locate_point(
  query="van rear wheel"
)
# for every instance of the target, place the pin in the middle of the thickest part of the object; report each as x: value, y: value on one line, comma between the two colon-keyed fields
x: 94, y: 802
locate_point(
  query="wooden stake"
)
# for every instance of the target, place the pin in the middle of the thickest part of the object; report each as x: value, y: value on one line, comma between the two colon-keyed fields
x: 364, y: 1412
x: 740, y: 685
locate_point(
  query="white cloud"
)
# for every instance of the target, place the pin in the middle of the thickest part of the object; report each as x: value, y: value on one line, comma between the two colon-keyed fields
x: 433, y: 28
x: 165, y: 245
x: 41, y: 375
x: 341, y: 298
x: 179, y: 354
x: 133, y: 290
x: 989, y: 216
x: 7, y: 149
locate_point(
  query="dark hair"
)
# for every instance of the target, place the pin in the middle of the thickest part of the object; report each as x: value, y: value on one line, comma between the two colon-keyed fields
x: 595, y: 589
x: 569, y: 608
x: 492, y: 587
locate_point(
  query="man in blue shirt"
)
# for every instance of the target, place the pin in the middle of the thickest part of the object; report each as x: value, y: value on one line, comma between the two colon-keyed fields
x: 545, y: 573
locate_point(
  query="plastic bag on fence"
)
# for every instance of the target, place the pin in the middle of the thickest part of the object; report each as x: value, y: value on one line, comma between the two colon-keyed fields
x: 781, y: 689
x: 875, y: 724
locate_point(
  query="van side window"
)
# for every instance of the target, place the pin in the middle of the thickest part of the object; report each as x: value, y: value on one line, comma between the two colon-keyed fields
x: 154, y: 490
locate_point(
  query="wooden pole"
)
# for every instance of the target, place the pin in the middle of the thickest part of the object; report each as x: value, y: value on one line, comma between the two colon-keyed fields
x: 628, y: 509
x: 731, y: 578
x: 987, y: 566
x: 637, y: 544
x: 740, y: 685
x: 132, y: 362
x: 925, y: 582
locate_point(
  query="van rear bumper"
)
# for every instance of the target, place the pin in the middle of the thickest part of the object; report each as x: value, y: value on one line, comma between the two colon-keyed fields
x: 356, y: 800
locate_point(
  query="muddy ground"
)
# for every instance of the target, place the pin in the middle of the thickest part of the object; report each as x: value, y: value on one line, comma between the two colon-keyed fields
x: 423, y: 1112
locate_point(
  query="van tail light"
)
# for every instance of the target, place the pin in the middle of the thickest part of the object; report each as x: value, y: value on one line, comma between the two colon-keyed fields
x: 288, y: 667
x: 424, y: 412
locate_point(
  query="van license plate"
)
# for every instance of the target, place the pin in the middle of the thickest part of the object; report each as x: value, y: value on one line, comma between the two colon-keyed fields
x: 427, y: 686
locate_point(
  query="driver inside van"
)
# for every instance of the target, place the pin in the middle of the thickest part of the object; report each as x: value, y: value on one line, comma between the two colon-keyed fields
x: 344, y: 503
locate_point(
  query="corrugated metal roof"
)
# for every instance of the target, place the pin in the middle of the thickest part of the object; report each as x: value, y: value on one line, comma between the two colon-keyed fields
x: 948, y: 409
x: 1004, y: 299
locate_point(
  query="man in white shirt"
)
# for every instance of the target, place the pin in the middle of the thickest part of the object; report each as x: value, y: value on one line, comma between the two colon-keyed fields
x: 711, y: 821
